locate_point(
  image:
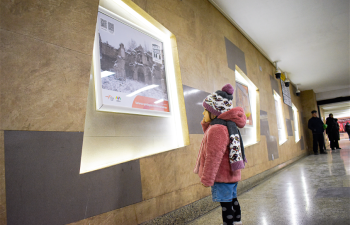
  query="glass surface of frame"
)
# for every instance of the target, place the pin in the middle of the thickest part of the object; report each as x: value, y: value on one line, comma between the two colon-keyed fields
x: 130, y: 68
x: 243, y: 100
x: 246, y: 97
x: 282, y: 137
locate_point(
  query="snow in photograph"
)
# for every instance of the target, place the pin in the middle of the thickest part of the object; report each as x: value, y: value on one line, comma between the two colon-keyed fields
x: 134, y: 59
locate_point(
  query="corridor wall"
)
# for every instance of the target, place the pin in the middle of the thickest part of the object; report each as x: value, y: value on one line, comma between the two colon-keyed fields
x: 46, y: 52
x: 309, y: 103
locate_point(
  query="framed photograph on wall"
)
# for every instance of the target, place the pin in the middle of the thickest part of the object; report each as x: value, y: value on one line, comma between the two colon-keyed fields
x: 242, y: 100
x: 130, y: 73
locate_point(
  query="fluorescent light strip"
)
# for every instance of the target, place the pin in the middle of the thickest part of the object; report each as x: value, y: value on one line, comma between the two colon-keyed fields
x: 142, y: 89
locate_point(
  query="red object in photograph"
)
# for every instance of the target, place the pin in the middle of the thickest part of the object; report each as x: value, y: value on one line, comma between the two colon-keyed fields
x: 141, y: 102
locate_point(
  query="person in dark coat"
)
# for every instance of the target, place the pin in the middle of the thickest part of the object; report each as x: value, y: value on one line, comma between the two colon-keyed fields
x: 316, y: 126
x: 333, y: 132
x: 347, y: 129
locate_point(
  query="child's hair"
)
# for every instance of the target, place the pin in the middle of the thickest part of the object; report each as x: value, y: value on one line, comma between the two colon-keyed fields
x: 211, y: 116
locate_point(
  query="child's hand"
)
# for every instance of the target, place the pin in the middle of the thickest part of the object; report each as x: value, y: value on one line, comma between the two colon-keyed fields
x: 204, y: 185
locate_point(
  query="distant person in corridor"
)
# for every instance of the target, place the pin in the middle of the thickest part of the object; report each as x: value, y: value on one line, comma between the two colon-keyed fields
x: 333, y: 132
x: 221, y: 155
x: 347, y: 129
x: 316, y: 126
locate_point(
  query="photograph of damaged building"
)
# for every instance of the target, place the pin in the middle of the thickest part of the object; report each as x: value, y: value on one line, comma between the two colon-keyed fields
x: 133, y: 66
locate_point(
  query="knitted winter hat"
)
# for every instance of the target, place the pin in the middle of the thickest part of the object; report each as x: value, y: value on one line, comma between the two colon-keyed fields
x: 220, y: 101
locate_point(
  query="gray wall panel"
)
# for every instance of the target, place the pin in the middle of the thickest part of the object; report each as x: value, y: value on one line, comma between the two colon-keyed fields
x: 275, y: 86
x: 43, y: 184
x: 291, y: 113
x: 113, y: 187
x: 271, y: 141
x: 235, y: 56
x: 289, y: 127
x: 194, y: 109
x: 293, y: 89
x: 272, y: 147
x: 264, y: 124
x: 302, y: 147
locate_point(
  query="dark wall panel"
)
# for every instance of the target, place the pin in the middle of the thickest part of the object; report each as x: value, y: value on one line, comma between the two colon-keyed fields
x: 113, y: 187
x: 235, y: 56
x: 264, y: 124
x: 291, y: 113
x: 271, y: 141
x: 289, y: 127
x: 194, y: 109
x: 275, y: 86
x: 302, y: 147
x: 272, y: 147
x: 43, y: 184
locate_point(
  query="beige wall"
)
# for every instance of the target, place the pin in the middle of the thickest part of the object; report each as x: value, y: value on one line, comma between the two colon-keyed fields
x: 167, y: 178
x: 309, y: 103
x: 45, y: 56
x: 45, y: 59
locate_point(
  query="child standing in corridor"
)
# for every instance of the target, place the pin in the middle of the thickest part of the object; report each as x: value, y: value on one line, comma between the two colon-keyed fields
x: 221, y: 156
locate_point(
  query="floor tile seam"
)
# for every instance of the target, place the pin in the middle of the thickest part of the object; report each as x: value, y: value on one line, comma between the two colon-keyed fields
x: 42, y: 40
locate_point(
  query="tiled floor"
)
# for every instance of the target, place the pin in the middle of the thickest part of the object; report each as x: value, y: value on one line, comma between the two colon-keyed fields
x: 314, y: 191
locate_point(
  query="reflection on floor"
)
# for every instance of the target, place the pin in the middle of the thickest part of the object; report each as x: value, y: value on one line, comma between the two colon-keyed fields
x: 314, y: 191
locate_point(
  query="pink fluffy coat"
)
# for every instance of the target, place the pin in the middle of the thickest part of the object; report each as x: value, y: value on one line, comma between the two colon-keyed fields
x: 213, y: 159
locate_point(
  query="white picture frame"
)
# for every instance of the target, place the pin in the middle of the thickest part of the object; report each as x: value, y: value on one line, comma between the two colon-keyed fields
x: 130, y: 69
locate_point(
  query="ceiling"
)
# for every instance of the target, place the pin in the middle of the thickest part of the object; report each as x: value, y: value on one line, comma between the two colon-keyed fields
x: 310, y: 39
x: 339, y: 110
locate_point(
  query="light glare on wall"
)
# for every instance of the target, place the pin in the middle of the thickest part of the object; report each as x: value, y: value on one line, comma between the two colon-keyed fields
x: 296, y: 122
x: 282, y: 137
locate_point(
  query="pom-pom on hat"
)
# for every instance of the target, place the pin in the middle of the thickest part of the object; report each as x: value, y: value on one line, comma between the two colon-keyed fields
x: 228, y: 89
x: 220, y: 101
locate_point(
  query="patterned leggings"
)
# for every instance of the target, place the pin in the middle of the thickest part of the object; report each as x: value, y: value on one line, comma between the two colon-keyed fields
x: 231, y: 212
